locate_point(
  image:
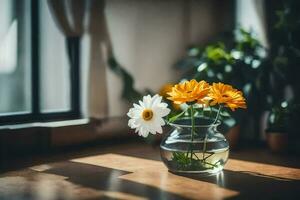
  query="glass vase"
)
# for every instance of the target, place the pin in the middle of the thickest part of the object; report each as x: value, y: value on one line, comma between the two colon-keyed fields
x: 194, y: 149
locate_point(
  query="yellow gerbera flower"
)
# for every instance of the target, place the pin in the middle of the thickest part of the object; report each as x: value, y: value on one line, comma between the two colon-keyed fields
x: 189, y: 91
x: 226, y: 95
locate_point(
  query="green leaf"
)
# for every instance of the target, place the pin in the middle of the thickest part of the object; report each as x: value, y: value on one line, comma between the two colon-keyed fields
x: 174, y: 118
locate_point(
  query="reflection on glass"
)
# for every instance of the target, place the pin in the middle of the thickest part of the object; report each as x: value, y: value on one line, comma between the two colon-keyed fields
x: 220, y: 179
x: 15, y: 57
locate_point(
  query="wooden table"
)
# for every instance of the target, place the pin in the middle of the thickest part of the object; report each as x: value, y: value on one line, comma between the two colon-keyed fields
x: 134, y: 171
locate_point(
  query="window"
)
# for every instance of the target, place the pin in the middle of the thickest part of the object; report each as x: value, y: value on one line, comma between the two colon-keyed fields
x: 15, y: 48
x: 37, y: 80
x: 250, y: 15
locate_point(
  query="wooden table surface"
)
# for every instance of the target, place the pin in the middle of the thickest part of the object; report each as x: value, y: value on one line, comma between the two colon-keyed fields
x: 134, y: 171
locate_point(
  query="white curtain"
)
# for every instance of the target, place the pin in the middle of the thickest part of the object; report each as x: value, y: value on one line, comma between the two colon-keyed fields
x: 85, y: 19
x: 69, y: 15
x: 95, y: 49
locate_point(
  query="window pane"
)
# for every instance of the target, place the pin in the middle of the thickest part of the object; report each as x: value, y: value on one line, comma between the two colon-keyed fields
x: 54, y: 65
x: 15, y: 57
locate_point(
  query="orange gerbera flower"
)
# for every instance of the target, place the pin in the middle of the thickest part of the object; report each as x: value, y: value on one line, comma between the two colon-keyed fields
x: 226, y: 95
x: 189, y: 91
x: 165, y: 89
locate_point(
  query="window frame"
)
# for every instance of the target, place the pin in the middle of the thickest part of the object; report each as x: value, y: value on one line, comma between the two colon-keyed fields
x: 35, y: 115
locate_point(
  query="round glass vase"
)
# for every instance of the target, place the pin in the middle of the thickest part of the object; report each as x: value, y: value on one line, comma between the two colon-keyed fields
x: 204, y: 150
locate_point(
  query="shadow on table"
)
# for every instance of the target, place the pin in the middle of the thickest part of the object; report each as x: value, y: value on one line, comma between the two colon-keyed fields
x: 107, y: 180
x: 72, y: 180
x: 252, y: 185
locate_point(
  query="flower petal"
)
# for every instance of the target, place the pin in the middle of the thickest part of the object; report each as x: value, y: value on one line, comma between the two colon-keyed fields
x: 162, y: 112
x: 143, y: 132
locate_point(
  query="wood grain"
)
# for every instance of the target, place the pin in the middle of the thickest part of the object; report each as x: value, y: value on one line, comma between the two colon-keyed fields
x: 135, y: 172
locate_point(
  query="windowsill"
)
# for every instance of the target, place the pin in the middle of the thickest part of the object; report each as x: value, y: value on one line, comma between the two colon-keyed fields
x: 33, y: 138
x: 53, y: 124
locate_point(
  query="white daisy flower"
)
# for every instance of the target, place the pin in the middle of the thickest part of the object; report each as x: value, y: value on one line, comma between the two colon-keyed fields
x: 147, y: 116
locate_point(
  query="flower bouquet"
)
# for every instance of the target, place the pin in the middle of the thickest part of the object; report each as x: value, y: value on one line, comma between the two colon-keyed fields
x: 194, y: 145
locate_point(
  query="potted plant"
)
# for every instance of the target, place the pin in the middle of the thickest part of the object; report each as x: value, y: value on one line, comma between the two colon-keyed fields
x: 277, y: 131
x: 293, y: 122
x: 237, y: 60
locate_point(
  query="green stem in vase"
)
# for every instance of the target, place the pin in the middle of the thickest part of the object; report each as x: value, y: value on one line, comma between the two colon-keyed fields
x: 193, y: 130
x: 204, y: 147
x: 218, y: 114
x: 205, y: 139
x: 210, y: 154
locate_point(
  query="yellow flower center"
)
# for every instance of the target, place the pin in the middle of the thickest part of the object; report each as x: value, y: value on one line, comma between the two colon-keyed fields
x: 147, y: 114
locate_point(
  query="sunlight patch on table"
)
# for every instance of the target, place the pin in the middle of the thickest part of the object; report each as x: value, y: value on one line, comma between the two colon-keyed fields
x: 263, y: 170
x: 155, y: 174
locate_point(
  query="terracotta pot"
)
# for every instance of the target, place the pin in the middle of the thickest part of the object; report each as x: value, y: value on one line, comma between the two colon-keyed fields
x: 233, y: 136
x: 277, y: 141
